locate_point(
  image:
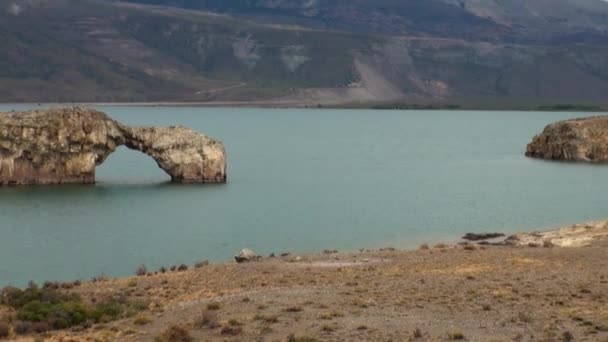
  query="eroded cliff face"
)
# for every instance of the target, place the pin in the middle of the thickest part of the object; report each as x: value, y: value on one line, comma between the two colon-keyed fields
x: 187, y: 156
x: 64, y: 145
x: 584, y: 139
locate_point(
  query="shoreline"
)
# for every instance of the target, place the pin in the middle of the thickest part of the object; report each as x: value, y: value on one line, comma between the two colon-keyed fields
x: 520, y: 286
x: 536, y: 237
x: 454, y: 239
x: 270, y: 104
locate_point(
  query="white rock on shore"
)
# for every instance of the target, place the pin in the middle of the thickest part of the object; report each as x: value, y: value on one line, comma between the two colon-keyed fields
x: 573, y: 236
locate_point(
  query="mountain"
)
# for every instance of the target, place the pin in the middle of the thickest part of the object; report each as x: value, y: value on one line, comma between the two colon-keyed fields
x: 305, y: 52
x: 490, y: 20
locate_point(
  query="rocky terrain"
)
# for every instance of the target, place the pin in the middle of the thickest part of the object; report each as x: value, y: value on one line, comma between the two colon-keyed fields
x: 64, y: 145
x: 523, y: 290
x: 584, y: 139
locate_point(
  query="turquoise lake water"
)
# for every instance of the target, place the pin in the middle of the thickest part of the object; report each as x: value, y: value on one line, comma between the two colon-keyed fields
x: 299, y: 181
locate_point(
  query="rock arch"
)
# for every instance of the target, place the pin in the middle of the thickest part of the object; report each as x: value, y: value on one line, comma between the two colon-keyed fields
x: 64, y: 145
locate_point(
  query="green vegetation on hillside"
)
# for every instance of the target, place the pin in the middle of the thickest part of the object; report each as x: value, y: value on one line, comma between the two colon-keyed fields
x: 48, y: 308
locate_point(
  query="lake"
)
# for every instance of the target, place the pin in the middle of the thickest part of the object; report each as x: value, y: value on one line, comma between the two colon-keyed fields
x: 298, y: 181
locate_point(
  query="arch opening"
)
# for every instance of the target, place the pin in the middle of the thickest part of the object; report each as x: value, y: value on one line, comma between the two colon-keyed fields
x: 128, y: 166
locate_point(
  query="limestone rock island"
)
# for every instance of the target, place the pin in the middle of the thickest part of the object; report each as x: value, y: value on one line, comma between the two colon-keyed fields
x: 64, y: 145
x: 584, y: 139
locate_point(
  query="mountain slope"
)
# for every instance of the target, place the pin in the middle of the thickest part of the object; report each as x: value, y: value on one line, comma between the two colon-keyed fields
x: 99, y: 50
x: 488, y: 20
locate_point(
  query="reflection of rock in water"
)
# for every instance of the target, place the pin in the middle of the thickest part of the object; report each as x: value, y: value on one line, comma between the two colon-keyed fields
x: 64, y: 145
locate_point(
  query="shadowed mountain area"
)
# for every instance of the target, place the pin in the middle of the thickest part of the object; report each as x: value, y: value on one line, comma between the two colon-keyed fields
x: 305, y: 52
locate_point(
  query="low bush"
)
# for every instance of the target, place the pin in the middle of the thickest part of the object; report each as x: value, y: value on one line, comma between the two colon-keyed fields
x: 17, y: 298
x: 201, y: 264
x: 231, y: 330
x: 213, y: 306
x: 174, y: 333
x: 59, y: 315
x: 40, y: 327
x: 207, y: 319
x: 5, y: 330
x: 42, y: 309
x: 22, y: 328
x: 141, y: 270
x: 456, y: 336
x: 294, y: 338
x: 115, y: 308
x: 142, y: 320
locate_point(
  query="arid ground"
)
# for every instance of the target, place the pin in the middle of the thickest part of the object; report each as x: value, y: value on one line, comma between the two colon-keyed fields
x: 536, y: 292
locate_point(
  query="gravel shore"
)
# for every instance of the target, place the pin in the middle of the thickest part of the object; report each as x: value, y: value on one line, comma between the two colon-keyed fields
x: 531, y: 291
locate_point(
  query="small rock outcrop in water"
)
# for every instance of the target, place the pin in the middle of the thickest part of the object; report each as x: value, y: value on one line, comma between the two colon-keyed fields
x: 482, y: 236
x: 64, y: 145
x: 584, y: 139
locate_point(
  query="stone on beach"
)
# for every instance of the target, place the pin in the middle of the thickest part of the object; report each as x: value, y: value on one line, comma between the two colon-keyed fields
x: 246, y: 255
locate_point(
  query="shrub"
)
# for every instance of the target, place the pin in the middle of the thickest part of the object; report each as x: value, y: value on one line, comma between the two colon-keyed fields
x: 266, y: 319
x: 142, y: 320
x: 40, y: 327
x: 328, y: 328
x: 115, y: 308
x: 43, y: 309
x: 5, y: 329
x: 175, y: 333
x: 234, y: 322
x: 230, y: 330
x: 141, y: 270
x: 201, y: 264
x: 456, y: 336
x: 22, y: 328
x: 102, y: 277
x: 50, y: 285
x: 213, y: 306
x: 58, y: 315
x: 17, y: 298
x: 107, y: 311
x: 208, y: 319
x: 182, y: 267
x: 294, y: 338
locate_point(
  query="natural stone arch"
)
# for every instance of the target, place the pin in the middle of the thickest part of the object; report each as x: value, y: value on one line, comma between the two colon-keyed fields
x: 64, y: 145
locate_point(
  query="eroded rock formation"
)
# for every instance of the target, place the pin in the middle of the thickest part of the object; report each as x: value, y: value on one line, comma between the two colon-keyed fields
x: 64, y: 145
x: 584, y: 139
